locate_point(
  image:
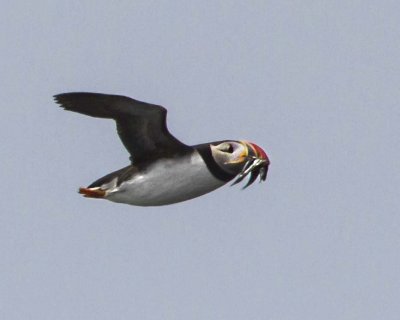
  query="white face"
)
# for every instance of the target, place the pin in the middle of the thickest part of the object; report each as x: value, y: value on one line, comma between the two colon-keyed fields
x: 230, y: 155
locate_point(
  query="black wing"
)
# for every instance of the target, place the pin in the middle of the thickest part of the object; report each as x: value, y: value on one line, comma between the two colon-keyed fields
x: 140, y: 125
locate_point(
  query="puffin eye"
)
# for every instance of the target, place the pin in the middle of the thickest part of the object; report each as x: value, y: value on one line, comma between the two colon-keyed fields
x: 226, y: 147
x: 229, y: 148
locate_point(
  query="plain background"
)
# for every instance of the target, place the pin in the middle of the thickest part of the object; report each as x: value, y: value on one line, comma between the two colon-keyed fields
x: 315, y: 83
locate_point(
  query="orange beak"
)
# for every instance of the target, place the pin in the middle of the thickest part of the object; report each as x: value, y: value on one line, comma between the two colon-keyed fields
x: 257, y: 163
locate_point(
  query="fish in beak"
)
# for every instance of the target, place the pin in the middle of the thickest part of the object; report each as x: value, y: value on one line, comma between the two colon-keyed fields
x: 256, y: 164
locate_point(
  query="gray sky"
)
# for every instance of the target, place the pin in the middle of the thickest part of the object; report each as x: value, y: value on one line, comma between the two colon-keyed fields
x: 316, y: 83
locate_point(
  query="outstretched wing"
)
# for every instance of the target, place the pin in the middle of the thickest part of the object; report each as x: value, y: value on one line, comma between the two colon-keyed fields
x: 140, y: 125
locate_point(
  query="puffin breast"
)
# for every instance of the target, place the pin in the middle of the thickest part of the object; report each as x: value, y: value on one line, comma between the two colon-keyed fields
x: 167, y: 181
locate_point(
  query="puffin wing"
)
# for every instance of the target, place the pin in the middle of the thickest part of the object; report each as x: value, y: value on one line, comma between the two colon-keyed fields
x: 141, y: 126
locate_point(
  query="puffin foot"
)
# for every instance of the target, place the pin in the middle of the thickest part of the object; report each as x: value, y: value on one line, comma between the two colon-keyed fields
x: 92, y: 192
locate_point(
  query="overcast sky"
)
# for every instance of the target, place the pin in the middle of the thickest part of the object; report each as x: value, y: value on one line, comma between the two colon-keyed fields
x: 315, y: 83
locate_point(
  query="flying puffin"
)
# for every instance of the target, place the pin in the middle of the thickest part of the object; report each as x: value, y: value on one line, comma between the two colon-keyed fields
x: 163, y: 170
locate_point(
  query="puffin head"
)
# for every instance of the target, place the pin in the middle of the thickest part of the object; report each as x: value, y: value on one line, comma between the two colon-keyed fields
x: 241, y: 158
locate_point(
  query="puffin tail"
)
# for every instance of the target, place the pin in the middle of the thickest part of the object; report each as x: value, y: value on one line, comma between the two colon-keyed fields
x: 92, y: 192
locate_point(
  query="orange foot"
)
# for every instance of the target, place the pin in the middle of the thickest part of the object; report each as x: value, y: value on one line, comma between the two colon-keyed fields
x: 92, y: 193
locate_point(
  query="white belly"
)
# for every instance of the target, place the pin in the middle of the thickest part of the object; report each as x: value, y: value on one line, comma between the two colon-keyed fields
x: 167, y: 182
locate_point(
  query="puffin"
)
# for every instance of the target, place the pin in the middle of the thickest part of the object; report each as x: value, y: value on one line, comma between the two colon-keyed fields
x: 162, y: 169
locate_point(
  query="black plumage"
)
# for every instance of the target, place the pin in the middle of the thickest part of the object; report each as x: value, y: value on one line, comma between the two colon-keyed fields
x: 141, y: 126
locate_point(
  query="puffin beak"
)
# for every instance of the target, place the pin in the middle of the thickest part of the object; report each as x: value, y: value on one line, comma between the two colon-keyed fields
x: 256, y: 165
x: 258, y: 152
